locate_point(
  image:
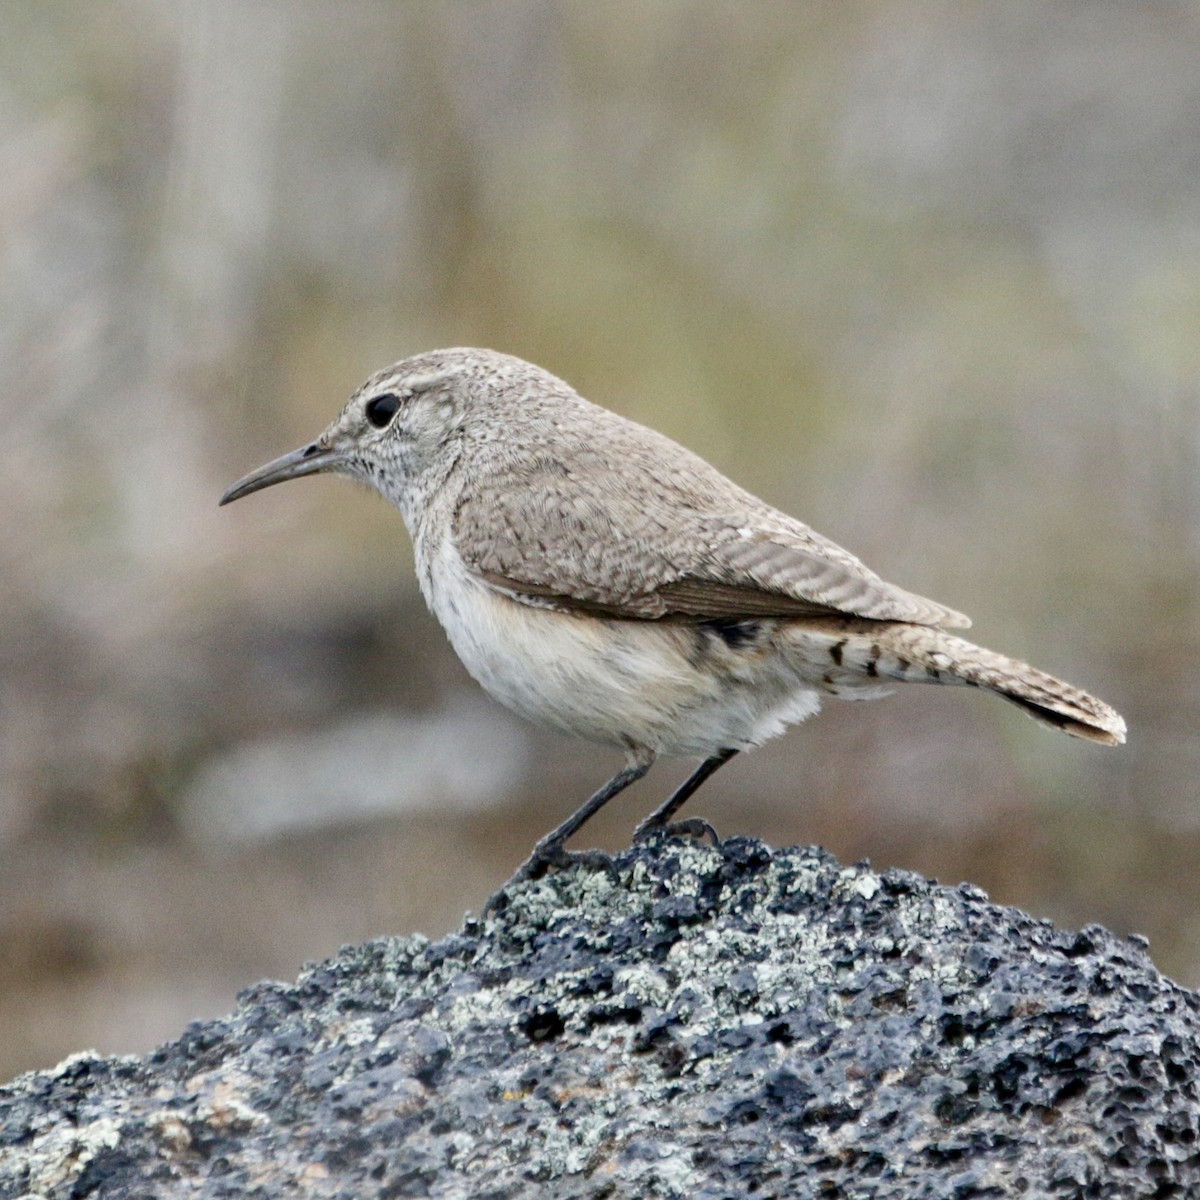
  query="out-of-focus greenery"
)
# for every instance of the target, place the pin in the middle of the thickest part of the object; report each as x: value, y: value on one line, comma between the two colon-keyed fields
x: 925, y: 274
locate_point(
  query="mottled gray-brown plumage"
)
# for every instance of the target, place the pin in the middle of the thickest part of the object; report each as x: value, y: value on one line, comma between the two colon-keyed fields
x: 596, y: 576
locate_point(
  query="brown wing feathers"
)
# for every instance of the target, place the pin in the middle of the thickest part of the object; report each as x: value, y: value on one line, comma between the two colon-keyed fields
x: 688, y: 545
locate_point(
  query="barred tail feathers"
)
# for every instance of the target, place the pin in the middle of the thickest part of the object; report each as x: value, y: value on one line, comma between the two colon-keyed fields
x: 1042, y: 697
x: 923, y: 654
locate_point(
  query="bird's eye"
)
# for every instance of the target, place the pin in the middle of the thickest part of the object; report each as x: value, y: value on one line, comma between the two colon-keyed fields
x: 381, y: 409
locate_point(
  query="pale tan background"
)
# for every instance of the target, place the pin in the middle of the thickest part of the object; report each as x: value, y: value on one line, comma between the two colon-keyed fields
x: 925, y: 274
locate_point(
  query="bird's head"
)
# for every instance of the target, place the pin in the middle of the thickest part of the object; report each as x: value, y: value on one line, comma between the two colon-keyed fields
x: 399, y: 428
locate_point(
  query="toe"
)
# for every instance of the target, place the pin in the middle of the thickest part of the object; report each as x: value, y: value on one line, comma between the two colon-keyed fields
x: 696, y: 827
x: 553, y: 856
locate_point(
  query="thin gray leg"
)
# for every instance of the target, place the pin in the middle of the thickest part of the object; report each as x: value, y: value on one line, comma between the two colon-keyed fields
x: 550, y: 851
x: 659, y: 821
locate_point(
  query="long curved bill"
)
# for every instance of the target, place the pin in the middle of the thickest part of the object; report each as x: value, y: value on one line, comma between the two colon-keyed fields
x: 308, y: 460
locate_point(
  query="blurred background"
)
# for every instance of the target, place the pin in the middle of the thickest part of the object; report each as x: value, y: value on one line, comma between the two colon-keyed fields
x: 926, y: 275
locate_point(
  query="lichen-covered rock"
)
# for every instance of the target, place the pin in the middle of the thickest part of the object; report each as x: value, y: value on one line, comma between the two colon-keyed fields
x: 718, y: 1023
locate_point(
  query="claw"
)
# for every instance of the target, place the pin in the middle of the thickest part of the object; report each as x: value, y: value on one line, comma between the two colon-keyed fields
x: 696, y: 827
x: 554, y: 855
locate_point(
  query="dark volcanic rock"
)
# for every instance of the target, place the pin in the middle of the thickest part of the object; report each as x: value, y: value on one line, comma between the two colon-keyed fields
x: 720, y: 1024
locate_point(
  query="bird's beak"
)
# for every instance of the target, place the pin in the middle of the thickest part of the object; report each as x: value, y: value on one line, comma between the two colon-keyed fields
x: 308, y: 460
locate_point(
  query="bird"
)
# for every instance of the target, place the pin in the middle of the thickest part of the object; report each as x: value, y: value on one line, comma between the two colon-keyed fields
x: 599, y: 578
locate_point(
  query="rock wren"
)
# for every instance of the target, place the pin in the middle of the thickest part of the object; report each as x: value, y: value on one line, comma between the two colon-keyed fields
x: 599, y: 578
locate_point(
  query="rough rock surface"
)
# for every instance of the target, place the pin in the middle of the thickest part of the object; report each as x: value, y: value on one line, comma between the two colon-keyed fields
x: 717, y: 1024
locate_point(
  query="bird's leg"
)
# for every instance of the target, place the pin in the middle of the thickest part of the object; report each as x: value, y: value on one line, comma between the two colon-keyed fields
x: 551, y: 850
x: 659, y: 822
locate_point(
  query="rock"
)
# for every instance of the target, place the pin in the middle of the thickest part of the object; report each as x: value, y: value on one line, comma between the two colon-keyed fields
x: 716, y: 1024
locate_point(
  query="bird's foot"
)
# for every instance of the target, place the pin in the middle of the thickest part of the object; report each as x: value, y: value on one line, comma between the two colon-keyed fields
x: 651, y: 830
x: 544, y: 857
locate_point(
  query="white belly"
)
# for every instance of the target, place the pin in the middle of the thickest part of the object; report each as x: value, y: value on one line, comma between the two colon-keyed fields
x: 668, y: 687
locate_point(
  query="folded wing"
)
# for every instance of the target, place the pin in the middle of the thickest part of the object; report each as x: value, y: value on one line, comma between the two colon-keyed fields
x: 683, y: 544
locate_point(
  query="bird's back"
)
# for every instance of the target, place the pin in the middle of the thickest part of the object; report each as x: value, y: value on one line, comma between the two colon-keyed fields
x: 563, y: 500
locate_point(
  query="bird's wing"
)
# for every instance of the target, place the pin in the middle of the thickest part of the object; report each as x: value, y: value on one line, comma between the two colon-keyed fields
x: 663, y: 547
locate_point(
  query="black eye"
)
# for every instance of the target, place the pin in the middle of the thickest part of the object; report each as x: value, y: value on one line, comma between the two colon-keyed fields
x: 381, y: 409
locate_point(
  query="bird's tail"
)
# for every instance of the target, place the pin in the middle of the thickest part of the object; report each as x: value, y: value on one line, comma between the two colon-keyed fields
x: 923, y: 654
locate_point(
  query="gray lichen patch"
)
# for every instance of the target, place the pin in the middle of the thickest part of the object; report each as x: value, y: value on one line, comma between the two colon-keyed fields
x: 716, y: 1023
